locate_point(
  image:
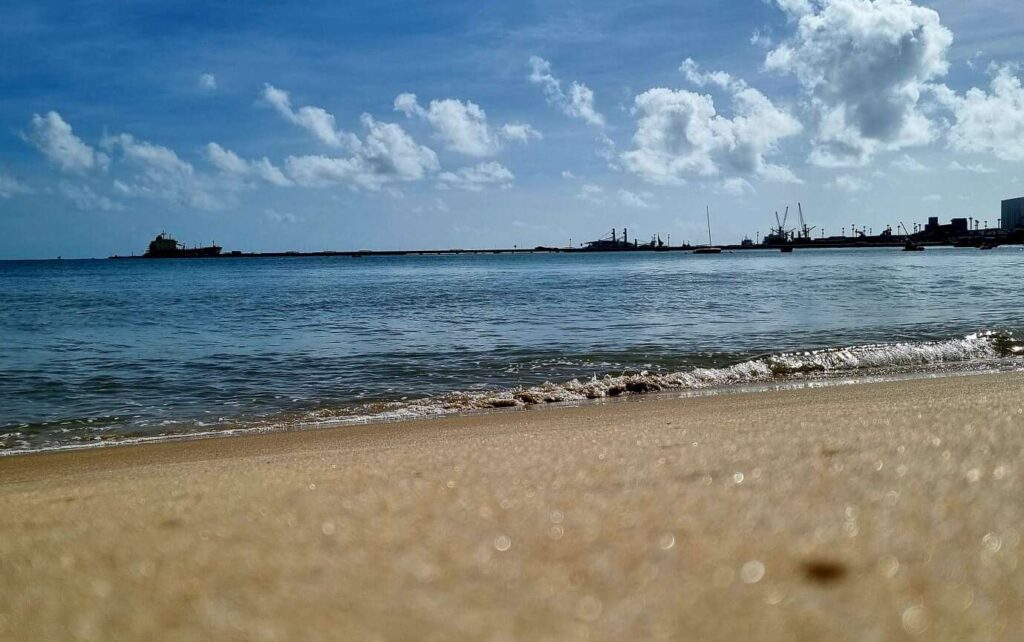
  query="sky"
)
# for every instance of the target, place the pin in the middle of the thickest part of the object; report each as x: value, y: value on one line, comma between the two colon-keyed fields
x: 400, y: 125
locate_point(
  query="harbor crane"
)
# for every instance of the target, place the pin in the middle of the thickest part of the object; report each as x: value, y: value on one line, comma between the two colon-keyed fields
x: 805, y: 232
x: 780, y: 234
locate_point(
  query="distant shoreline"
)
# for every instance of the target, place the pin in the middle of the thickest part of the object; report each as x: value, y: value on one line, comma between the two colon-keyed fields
x: 552, y: 250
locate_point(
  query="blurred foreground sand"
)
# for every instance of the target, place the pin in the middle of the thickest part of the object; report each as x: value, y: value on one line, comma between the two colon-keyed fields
x: 859, y: 512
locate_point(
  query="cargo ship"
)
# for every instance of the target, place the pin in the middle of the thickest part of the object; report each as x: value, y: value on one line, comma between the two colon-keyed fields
x: 164, y: 247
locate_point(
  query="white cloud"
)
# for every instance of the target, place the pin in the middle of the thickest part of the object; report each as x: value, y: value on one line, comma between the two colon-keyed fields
x: 463, y: 125
x: 759, y: 39
x: 909, y: 164
x: 161, y: 174
x: 976, y: 168
x: 54, y: 138
x: 520, y: 132
x: 477, y: 178
x: 680, y: 133
x: 577, y: 103
x: 592, y: 194
x: 737, y: 186
x: 207, y: 82
x: 10, y: 186
x: 863, y: 65
x: 991, y: 122
x: 567, y: 174
x: 932, y: 198
x: 315, y: 120
x: 633, y: 199
x: 700, y: 78
x: 850, y: 184
x: 387, y: 154
x: 85, y: 198
x: 598, y: 195
x: 231, y: 163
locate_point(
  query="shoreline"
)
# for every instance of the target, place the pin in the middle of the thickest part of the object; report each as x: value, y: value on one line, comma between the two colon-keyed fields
x: 300, y: 422
x: 887, y: 509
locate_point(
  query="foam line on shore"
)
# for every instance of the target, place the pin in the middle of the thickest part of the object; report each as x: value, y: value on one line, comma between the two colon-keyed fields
x: 844, y: 361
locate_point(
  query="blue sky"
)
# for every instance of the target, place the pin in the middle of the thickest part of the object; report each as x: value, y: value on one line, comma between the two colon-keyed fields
x: 457, y: 124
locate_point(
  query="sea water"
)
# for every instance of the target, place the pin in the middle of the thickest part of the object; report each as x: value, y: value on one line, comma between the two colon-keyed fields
x: 105, y: 351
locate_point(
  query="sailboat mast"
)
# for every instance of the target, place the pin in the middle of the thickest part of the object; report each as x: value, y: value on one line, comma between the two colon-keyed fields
x: 708, y: 208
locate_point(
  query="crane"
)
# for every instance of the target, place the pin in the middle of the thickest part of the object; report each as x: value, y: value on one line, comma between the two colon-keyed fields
x: 805, y: 232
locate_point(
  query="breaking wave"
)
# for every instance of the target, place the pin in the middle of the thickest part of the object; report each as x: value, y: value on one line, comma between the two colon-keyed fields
x: 830, y: 362
x: 984, y: 350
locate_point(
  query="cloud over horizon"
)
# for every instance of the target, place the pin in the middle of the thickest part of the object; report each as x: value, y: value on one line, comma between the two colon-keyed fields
x: 894, y: 103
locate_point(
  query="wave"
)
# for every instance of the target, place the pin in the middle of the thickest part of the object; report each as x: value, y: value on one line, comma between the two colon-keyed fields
x: 984, y: 349
x: 848, y: 361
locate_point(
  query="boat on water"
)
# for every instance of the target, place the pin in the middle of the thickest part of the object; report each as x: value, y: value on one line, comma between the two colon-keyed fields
x: 909, y: 244
x: 786, y: 249
x: 165, y: 247
x: 709, y: 248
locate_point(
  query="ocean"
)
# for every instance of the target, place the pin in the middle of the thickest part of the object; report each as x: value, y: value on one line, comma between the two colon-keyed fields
x: 99, y: 351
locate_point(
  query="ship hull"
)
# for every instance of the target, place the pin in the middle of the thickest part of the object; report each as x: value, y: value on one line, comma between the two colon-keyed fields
x: 191, y: 253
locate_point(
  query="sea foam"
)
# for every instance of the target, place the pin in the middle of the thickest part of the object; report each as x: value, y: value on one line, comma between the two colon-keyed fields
x: 859, y: 360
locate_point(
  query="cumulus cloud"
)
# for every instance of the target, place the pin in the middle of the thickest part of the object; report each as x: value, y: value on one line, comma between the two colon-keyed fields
x: 160, y: 173
x: 387, y: 154
x: 316, y: 120
x: 207, y: 82
x: 634, y: 199
x: 990, y: 121
x: 850, y: 184
x: 863, y: 65
x: 474, y: 179
x: 975, y: 168
x: 909, y: 164
x: 463, y: 127
x: 680, y: 133
x: 10, y: 186
x: 53, y: 136
x: 597, y: 195
x: 578, y: 102
x: 230, y: 163
x: 519, y: 132
x: 592, y: 194
x: 736, y: 186
x: 86, y: 198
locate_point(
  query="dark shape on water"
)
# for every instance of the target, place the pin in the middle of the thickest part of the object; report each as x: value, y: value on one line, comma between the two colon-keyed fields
x: 910, y: 245
x: 164, y: 247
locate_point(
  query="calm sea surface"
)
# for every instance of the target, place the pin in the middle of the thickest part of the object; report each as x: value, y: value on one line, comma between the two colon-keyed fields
x: 100, y: 350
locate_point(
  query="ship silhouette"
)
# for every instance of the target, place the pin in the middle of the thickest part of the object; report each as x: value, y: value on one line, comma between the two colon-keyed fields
x: 164, y: 247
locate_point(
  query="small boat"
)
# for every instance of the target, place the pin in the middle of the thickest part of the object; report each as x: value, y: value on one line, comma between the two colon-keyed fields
x: 709, y: 248
x: 987, y: 246
x: 786, y: 249
x: 909, y: 244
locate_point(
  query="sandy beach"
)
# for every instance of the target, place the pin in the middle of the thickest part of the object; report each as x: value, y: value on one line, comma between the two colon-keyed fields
x: 856, y: 512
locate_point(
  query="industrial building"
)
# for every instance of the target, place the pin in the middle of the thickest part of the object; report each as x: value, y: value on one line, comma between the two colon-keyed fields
x: 1013, y: 214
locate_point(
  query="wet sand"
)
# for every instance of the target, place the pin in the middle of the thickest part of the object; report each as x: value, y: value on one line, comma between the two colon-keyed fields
x: 860, y: 512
